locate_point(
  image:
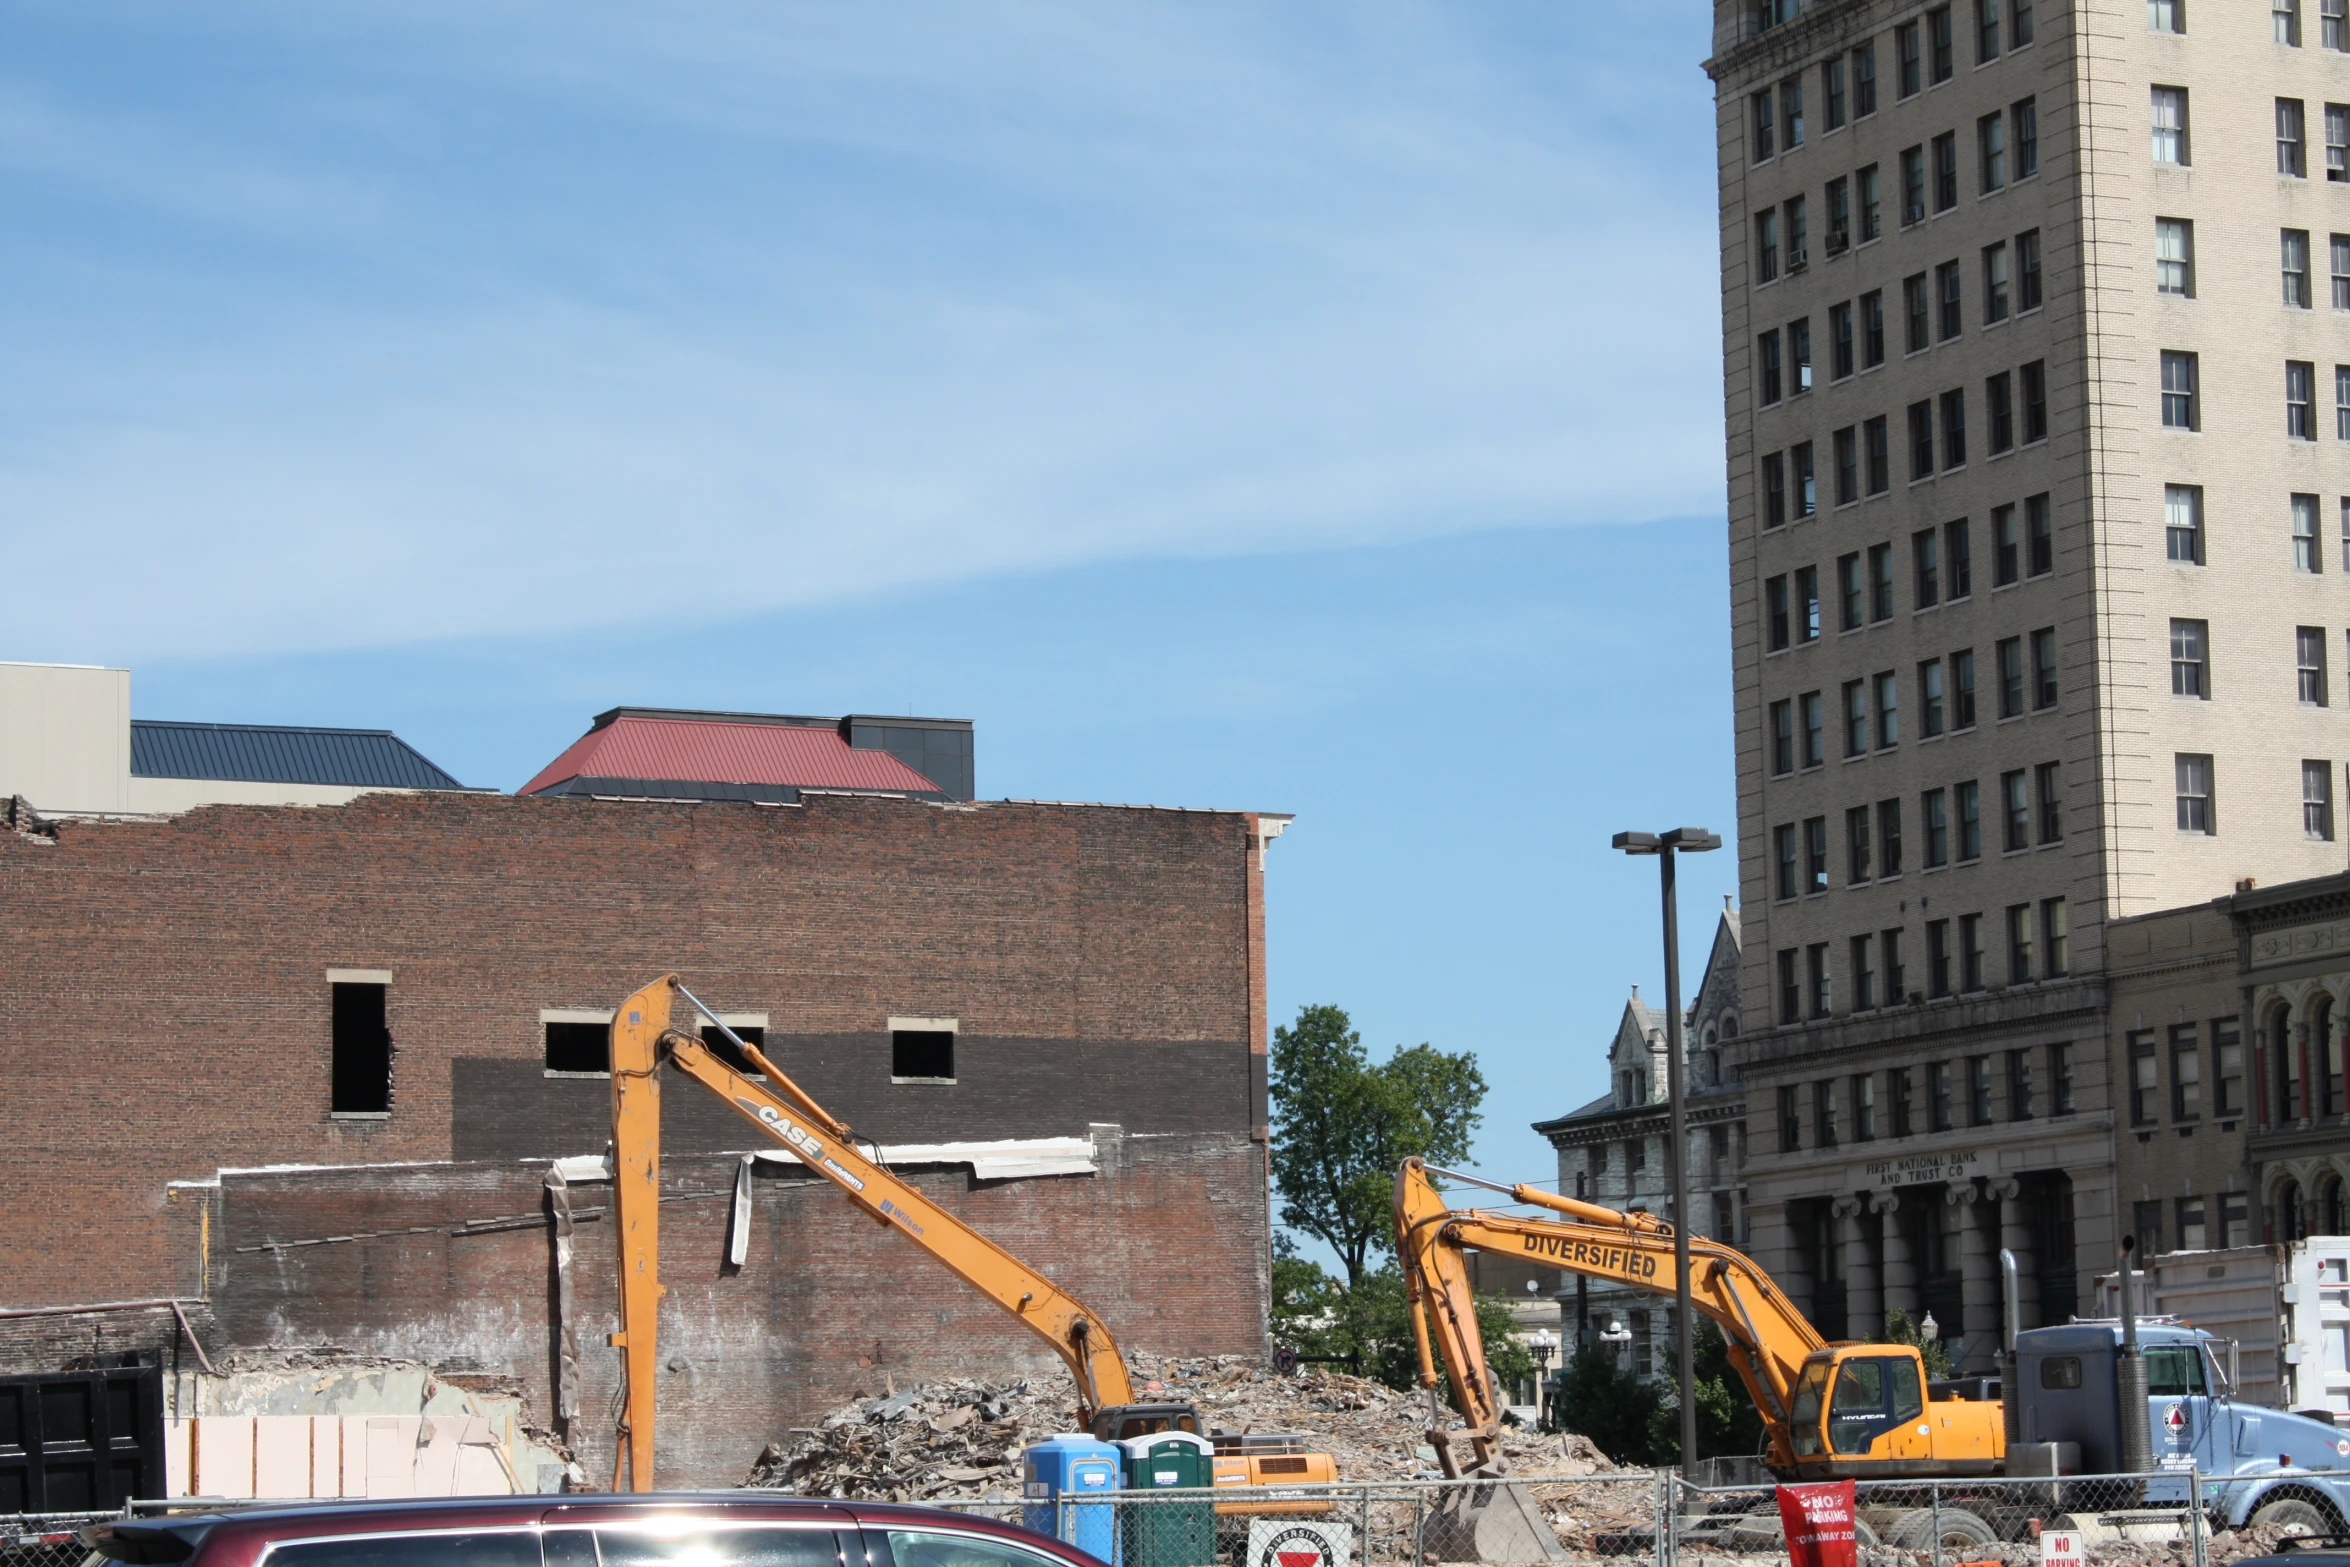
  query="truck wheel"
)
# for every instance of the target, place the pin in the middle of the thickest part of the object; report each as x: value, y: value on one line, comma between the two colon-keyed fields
x: 1961, y: 1531
x: 2292, y: 1516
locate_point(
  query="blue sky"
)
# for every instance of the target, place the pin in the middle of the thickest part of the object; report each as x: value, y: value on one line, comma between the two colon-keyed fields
x: 1309, y: 408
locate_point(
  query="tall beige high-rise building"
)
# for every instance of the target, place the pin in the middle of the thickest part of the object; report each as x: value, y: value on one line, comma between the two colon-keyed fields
x: 2036, y: 353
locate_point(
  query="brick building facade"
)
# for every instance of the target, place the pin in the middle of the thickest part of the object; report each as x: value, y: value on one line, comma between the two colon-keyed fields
x: 168, y: 1033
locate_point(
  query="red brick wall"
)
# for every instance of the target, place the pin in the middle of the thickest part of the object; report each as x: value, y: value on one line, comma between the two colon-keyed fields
x: 165, y: 1009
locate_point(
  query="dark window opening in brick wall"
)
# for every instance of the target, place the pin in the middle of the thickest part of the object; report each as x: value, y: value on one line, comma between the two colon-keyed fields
x: 922, y: 1053
x: 579, y: 1047
x: 362, y: 1058
x: 723, y: 1048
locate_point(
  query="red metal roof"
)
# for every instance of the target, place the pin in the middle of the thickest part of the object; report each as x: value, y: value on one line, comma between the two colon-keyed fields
x: 707, y: 750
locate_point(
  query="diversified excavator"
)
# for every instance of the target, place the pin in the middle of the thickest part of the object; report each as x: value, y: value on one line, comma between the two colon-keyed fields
x: 1880, y: 1423
x: 642, y: 1039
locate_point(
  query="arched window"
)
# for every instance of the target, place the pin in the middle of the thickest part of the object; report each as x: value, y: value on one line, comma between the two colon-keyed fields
x: 1729, y: 1028
x: 2329, y: 1047
x: 2285, y: 1065
x: 2332, y: 1215
x: 2291, y: 1222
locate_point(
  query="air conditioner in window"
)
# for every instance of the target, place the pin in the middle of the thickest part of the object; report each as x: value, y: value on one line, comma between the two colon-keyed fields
x: 1795, y: 258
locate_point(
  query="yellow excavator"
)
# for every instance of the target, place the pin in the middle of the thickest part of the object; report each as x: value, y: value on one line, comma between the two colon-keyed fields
x: 643, y: 1038
x: 1831, y: 1410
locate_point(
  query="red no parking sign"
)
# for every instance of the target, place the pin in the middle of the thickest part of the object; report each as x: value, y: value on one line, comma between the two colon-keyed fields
x: 1818, y: 1522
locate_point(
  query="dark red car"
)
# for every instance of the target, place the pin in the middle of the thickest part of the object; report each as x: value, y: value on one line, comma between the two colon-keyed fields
x: 686, y: 1529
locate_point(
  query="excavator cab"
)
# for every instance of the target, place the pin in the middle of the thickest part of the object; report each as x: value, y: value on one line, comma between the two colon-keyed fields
x: 1863, y: 1409
x: 1117, y: 1422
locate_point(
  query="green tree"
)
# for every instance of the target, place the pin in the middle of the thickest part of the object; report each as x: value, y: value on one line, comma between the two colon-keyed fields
x: 1621, y: 1414
x: 1900, y: 1330
x: 1316, y: 1315
x: 1341, y: 1125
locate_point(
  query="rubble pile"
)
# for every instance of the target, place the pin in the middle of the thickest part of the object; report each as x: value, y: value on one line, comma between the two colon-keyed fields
x: 962, y: 1439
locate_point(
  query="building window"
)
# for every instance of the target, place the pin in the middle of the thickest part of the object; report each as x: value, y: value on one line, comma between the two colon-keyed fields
x: 1847, y: 442
x: 2015, y: 810
x: 1930, y: 698
x: 2019, y: 965
x: 2178, y: 391
x: 2300, y: 400
x: 1823, y: 1110
x: 2166, y: 16
x: 2019, y: 30
x: 2285, y: 21
x: 576, y: 1042
x: 1948, y: 289
x: 1925, y: 552
x: 1798, y: 251
x: 2334, y: 23
x: 1856, y: 845
x: 2174, y: 257
x: 1946, y: 171
x: 1815, y: 855
x: 1877, y: 446
x: 1766, y: 358
x: 2317, y: 800
x: 1967, y: 806
x: 2009, y: 654
x: 2342, y: 402
x: 1840, y: 359
x: 1804, y: 483
x: 1790, y: 1118
x: 2305, y: 551
x: 1774, y: 489
x: 1954, y: 436
x: 1913, y: 185
x: 1978, y: 1090
x: 1889, y: 864
x: 2034, y: 378
x: 1897, y: 1101
x: 2292, y: 140
x: 2339, y: 246
x: 1872, y: 205
x: 1995, y: 300
x: 2186, y: 1074
x: 1791, y: 111
x: 1986, y: 31
x: 2051, y: 788
x: 1783, y: 844
x: 1832, y: 97
x: 2170, y: 125
x: 1765, y: 125
x: 924, y: 1055
x: 1872, y: 324
x: 1807, y: 604
x: 2024, y: 121
x: 2182, y: 516
x: 2337, y: 126
x: 2060, y: 1076
x: 2227, y: 1061
x: 1864, y: 79
x: 1934, y: 805
x: 2145, y: 1081
x: 1962, y: 689
x: 1938, y: 1095
x: 1888, y: 711
x: 1990, y: 152
x: 359, y: 1075
x: 2235, y: 1221
x: 1814, y: 713
x: 1917, y: 320
x: 2039, y: 536
x: 2019, y: 1085
x: 2027, y: 270
x: 1856, y: 719
x: 1880, y: 582
x: 2189, y: 669
x: 2195, y: 794
x: 1921, y: 440
x: 1782, y: 738
x: 1766, y: 246
x: 1938, y: 36
x: 1864, y: 1088
x: 2044, y: 692
x: 1909, y: 57
x: 2293, y: 251
x: 2309, y: 664
x: 2193, y: 1235
x: 1999, y: 398
x: 1775, y: 609
x: 1848, y: 592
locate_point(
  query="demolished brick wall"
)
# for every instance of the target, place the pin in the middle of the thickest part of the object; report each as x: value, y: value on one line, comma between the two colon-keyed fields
x: 166, y: 1014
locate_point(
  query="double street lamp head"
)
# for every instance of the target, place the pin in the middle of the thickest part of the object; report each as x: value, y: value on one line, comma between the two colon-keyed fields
x: 1689, y: 840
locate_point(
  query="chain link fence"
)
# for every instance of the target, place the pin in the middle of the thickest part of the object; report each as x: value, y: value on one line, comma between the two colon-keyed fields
x: 45, y: 1539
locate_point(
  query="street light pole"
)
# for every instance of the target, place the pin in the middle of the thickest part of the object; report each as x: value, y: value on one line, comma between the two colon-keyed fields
x: 1694, y: 840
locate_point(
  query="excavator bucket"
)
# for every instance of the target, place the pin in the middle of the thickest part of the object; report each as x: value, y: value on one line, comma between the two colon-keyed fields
x: 1495, y: 1522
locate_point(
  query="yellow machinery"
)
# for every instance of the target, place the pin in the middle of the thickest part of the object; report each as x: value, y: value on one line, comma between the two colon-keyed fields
x: 642, y: 1039
x: 1832, y: 1410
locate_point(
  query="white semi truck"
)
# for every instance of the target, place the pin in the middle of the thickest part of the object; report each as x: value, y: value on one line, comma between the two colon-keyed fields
x: 2284, y: 1310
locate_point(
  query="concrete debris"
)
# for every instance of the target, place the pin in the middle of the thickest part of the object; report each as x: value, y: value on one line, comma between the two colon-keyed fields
x: 963, y: 1438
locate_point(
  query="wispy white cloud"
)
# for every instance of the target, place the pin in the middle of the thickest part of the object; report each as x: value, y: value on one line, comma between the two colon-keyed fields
x: 444, y: 321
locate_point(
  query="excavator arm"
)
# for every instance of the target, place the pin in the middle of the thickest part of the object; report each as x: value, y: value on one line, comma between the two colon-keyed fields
x: 1768, y: 1337
x: 642, y: 1037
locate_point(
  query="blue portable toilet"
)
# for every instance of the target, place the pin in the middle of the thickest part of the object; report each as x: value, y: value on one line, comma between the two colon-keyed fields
x: 1057, y: 1475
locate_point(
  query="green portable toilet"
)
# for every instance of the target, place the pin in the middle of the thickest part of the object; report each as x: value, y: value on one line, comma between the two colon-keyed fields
x: 1181, y: 1530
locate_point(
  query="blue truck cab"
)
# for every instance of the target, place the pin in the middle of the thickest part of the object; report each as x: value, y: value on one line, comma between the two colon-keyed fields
x: 2279, y: 1469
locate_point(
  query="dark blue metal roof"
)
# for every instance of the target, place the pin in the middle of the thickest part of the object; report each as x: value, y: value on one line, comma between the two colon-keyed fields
x: 269, y: 753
